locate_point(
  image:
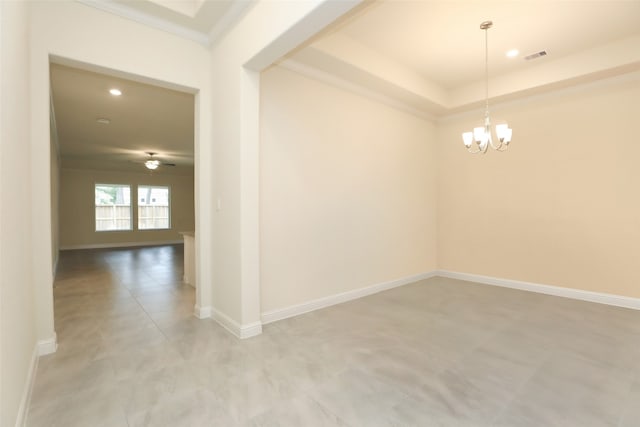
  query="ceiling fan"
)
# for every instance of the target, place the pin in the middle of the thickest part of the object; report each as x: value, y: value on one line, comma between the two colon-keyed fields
x: 152, y: 163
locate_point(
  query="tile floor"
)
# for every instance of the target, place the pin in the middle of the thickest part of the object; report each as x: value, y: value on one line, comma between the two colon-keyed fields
x: 435, y: 353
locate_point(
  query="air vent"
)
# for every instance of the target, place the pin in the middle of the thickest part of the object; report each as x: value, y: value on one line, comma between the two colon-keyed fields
x: 535, y: 55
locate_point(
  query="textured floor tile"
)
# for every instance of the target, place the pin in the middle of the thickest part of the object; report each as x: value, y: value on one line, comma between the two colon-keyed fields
x: 252, y: 392
x: 193, y: 408
x: 212, y: 342
x: 80, y: 330
x: 136, y: 338
x: 71, y: 379
x: 166, y: 319
x: 165, y: 301
x: 439, y: 352
x: 630, y: 415
x: 145, y: 390
x: 451, y: 395
x: 413, y: 413
x: 300, y: 411
x: 569, y: 390
x: 118, y: 325
x: 358, y: 399
x: 98, y: 406
x: 402, y: 367
x: 140, y: 361
x: 184, y: 327
x: 271, y: 345
x: 303, y: 369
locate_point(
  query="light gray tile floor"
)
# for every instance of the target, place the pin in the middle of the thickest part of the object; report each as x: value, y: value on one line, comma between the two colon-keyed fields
x: 439, y: 352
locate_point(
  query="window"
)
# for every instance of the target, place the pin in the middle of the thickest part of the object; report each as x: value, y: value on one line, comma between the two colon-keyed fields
x: 113, y: 207
x: 153, y: 208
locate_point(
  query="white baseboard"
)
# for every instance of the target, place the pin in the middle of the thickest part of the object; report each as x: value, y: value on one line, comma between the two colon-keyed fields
x: 48, y: 346
x: 228, y: 323
x: 25, y: 401
x: 121, y: 245
x: 250, y: 330
x: 241, y: 331
x: 295, y: 310
x: 598, y: 297
x: 202, y: 312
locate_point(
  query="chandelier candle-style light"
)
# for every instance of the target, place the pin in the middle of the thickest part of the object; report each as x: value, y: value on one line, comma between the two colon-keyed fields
x: 481, y: 135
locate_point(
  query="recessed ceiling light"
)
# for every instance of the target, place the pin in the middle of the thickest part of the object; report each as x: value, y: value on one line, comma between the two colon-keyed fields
x: 513, y: 53
x: 103, y: 121
x: 115, y: 92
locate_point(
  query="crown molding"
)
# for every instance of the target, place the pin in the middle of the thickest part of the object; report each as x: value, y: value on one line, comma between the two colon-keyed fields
x: 151, y: 21
x: 333, y: 80
x: 237, y: 10
x: 631, y: 74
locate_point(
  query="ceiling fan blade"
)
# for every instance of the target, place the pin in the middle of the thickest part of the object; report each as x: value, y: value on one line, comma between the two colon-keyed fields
x: 167, y: 164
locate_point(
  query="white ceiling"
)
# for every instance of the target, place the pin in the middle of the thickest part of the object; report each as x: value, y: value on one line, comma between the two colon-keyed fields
x: 442, y: 41
x: 199, y: 20
x: 200, y: 16
x: 429, y: 55
x: 424, y: 56
x: 144, y: 118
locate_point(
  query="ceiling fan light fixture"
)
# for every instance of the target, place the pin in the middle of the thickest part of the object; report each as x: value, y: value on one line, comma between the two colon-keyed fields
x: 115, y: 92
x: 152, y: 164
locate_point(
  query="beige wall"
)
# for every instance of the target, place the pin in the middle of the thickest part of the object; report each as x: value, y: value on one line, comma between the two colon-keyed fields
x: 348, y: 191
x: 267, y: 31
x: 561, y: 207
x: 77, y: 207
x: 17, y: 313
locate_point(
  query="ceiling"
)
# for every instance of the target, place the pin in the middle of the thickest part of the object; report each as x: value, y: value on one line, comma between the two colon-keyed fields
x: 443, y: 43
x: 144, y: 118
x: 426, y: 57
x: 198, y: 15
x: 429, y: 55
x: 202, y: 21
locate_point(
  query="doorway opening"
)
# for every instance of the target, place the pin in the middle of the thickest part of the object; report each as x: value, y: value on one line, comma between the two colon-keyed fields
x: 123, y: 189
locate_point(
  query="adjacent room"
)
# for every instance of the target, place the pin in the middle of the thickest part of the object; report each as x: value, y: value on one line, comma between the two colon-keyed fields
x: 123, y: 183
x: 403, y: 213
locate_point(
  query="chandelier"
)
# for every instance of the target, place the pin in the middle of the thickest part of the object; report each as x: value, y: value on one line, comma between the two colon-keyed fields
x: 481, y: 135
